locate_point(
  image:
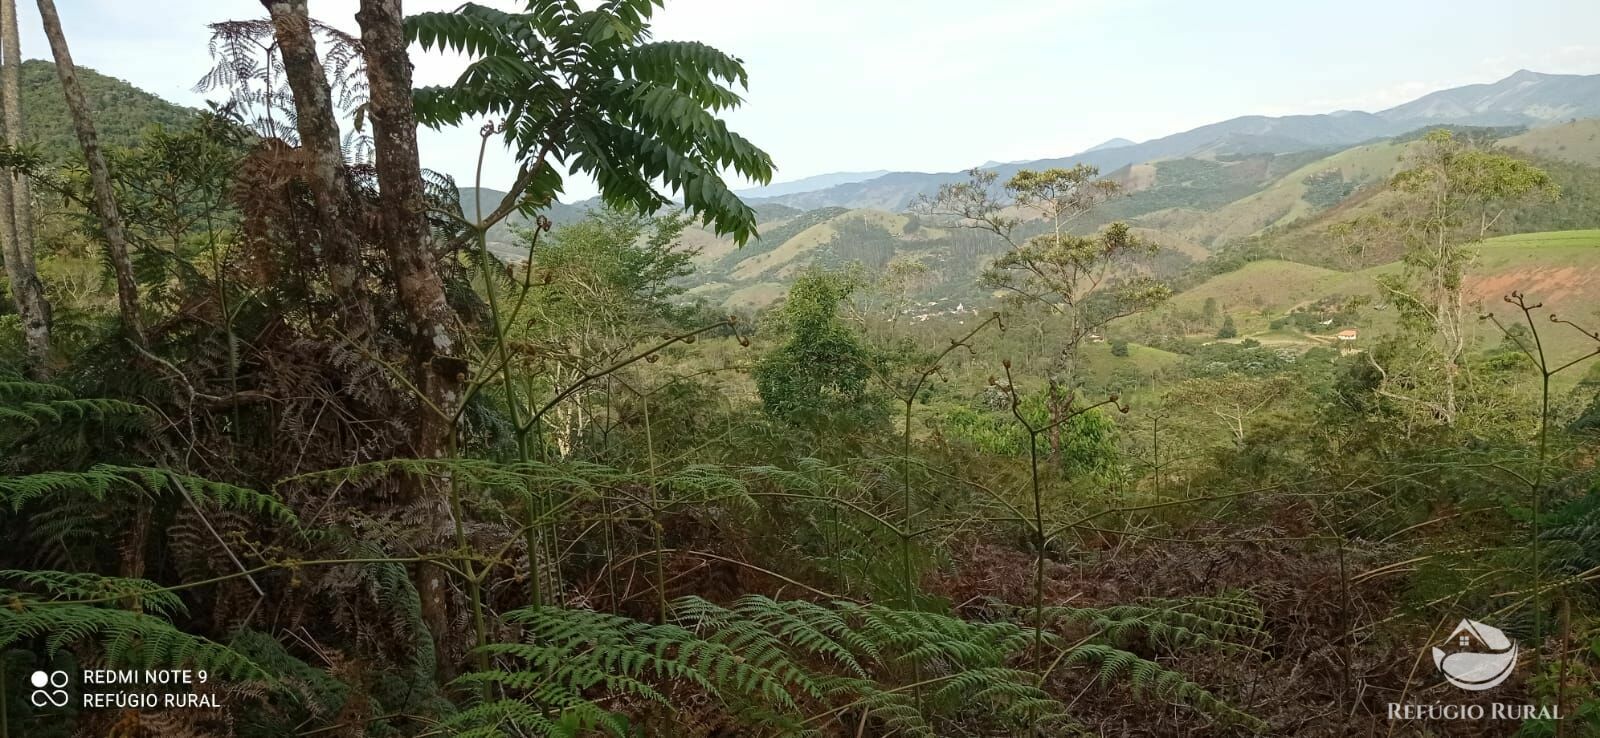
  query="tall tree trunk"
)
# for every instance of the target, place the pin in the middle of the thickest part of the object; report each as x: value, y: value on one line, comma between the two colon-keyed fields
x: 405, y: 238
x: 16, y: 209
x: 10, y: 93
x: 404, y: 222
x: 318, y: 126
x: 105, y: 201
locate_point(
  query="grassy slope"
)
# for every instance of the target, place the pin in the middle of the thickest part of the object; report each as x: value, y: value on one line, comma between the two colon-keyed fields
x: 755, y: 296
x: 1559, y: 268
x: 1191, y: 206
x: 1578, y: 141
x: 1304, y: 237
x: 786, y: 258
x: 1099, y: 366
x: 1284, y: 201
x: 1266, y: 285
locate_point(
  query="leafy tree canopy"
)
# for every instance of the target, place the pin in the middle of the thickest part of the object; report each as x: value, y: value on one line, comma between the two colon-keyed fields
x: 588, y: 89
x: 822, y: 369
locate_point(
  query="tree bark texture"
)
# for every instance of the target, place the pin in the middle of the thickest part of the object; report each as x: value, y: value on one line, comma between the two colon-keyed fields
x: 16, y: 208
x: 318, y: 126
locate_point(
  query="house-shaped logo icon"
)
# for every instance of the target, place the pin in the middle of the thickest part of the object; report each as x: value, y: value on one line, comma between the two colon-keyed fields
x: 1479, y: 656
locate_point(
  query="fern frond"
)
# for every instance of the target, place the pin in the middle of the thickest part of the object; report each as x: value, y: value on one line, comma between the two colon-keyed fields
x: 128, y: 638
x: 1115, y: 666
x: 101, y: 480
x: 64, y: 585
x: 1225, y: 623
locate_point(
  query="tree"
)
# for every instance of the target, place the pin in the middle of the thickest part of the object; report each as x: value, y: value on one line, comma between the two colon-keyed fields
x: 1209, y: 312
x: 574, y: 87
x: 1356, y: 236
x: 629, y: 266
x: 1119, y: 348
x: 587, y: 89
x: 1084, y: 282
x: 16, y: 208
x: 900, y: 280
x: 1228, y: 329
x: 820, y: 373
x: 404, y: 230
x: 1092, y: 453
x: 318, y: 127
x: 603, y: 285
x: 1236, y: 399
x: 1452, y: 195
x: 105, y: 201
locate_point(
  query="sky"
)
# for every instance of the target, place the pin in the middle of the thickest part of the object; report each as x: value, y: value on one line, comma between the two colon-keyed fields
x: 944, y: 85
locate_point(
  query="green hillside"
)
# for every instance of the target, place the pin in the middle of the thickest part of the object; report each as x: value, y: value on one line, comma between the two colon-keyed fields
x: 1578, y: 141
x: 1266, y: 285
x: 1559, y: 268
x: 1221, y: 212
x: 1197, y: 184
x: 1301, y: 193
x: 757, y: 274
x: 1281, y: 223
x: 121, y: 111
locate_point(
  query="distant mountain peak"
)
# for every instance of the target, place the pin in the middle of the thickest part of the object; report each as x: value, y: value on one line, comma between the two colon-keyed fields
x: 1524, y: 99
x: 1115, y: 143
x: 807, y: 184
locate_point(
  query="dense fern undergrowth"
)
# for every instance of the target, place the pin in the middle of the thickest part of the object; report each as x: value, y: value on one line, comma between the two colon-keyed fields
x: 778, y: 666
x: 372, y: 478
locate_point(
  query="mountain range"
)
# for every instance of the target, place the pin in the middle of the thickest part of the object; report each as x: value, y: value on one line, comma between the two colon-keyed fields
x: 807, y: 184
x: 1525, y: 98
x: 1214, y: 197
x: 1275, y: 182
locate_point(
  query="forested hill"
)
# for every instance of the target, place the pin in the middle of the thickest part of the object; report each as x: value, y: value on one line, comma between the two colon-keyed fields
x: 121, y: 110
x: 1219, y: 210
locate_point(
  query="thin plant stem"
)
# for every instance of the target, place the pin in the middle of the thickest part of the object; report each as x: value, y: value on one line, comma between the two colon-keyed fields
x: 535, y: 500
x: 1041, y: 536
x: 1537, y: 482
x: 655, y: 515
x: 907, y: 569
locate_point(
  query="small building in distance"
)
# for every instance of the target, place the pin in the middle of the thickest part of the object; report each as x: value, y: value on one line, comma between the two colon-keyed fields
x: 1347, y: 342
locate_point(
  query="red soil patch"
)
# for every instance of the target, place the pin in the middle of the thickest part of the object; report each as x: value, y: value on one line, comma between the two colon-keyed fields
x: 1550, y: 284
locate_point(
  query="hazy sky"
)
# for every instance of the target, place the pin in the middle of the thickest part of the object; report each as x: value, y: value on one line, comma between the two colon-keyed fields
x: 941, y: 85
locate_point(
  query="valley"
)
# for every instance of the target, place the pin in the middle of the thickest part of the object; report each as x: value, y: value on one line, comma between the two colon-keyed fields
x: 1218, y: 428
x: 1246, y: 188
